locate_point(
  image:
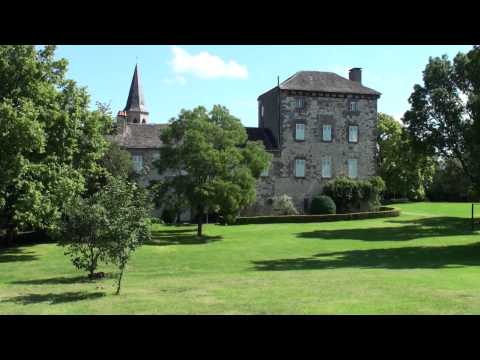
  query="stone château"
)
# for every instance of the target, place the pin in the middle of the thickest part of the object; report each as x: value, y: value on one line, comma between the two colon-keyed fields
x: 318, y: 125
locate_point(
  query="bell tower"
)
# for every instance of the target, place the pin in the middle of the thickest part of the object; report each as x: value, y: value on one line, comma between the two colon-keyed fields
x: 136, y: 110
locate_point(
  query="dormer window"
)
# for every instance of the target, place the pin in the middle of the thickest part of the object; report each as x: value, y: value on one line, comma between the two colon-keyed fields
x: 300, y: 103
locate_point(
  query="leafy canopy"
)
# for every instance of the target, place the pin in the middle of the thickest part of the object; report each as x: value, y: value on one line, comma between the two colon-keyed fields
x: 444, y: 118
x: 406, y: 172
x: 50, y: 141
x: 210, y: 161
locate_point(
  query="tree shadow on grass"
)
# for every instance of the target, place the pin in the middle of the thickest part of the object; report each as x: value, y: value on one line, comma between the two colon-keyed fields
x: 61, y: 280
x: 53, y: 299
x: 428, y: 257
x: 16, y: 254
x: 180, y: 237
x: 413, y: 229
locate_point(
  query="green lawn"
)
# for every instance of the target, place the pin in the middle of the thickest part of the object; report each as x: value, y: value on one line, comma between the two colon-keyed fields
x: 427, y: 261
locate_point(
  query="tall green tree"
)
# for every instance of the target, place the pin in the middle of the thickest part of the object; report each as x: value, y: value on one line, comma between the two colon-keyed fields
x: 406, y: 172
x: 210, y: 161
x: 444, y: 118
x: 50, y: 141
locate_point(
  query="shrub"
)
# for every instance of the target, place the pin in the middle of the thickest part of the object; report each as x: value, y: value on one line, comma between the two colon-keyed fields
x: 355, y: 195
x: 382, y: 213
x: 322, y: 205
x: 283, y: 205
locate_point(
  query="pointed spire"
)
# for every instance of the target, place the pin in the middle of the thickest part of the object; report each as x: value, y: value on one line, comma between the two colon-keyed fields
x: 136, y: 100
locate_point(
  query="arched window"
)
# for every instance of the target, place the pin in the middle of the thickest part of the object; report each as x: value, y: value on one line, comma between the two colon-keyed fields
x: 135, y: 120
x: 144, y: 121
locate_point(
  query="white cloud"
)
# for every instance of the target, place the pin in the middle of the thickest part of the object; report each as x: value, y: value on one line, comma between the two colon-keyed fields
x: 205, y: 65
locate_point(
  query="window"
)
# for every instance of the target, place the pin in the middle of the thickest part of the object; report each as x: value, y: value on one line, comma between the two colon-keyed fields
x: 135, y: 121
x: 300, y: 103
x: 300, y: 168
x: 353, y: 106
x: 353, y: 133
x: 327, y: 132
x: 262, y: 110
x: 264, y: 172
x: 299, y: 131
x: 352, y: 168
x: 326, y: 167
x: 137, y: 162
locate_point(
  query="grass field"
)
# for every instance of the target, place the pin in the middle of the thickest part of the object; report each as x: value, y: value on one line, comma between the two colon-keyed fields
x: 427, y: 261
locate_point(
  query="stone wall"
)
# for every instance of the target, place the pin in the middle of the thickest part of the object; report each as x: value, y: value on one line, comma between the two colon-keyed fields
x: 317, y: 111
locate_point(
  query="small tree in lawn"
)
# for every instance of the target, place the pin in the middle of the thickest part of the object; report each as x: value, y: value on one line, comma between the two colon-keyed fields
x: 106, y: 227
x: 82, y: 233
x: 128, y: 223
x: 211, y: 162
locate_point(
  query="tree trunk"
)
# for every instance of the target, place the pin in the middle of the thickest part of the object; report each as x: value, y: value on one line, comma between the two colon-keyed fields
x: 199, y: 222
x: 11, y: 235
x: 119, y: 283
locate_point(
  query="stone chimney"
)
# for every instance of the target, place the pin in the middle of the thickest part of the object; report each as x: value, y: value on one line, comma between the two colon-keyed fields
x: 121, y: 122
x: 355, y: 74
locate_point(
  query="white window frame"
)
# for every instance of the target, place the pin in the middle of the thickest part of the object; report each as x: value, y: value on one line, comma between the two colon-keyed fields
x: 354, y: 106
x: 299, y: 171
x: 326, y: 167
x: 330, y: 132
x: 137, y: 162
x: 353, y: 174
x: 297, y: 132
x: 350, y: 128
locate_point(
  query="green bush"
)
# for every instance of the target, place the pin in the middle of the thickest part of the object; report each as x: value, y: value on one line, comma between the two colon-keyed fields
x: 355, y: 195
x: 322, y: 204
x: 383, y: 212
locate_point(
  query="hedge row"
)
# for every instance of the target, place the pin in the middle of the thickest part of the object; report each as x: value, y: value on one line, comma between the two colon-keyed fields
x: 383, y: 212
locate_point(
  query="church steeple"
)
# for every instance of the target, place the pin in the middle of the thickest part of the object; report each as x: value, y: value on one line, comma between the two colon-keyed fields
x: 135, y: 108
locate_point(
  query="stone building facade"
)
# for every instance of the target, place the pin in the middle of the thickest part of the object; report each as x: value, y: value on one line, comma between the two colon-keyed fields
x: 317, y: 125
x: 323, y: 126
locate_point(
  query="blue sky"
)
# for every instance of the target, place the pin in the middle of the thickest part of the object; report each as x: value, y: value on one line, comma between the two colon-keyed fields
x: 176, y: 77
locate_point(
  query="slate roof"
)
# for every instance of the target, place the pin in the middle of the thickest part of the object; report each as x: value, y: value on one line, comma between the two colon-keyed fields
x: 147, y: 136
x: 136, y: 99
x: 325, y: 82
x: 262, y: 134
x: 140, y: 136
